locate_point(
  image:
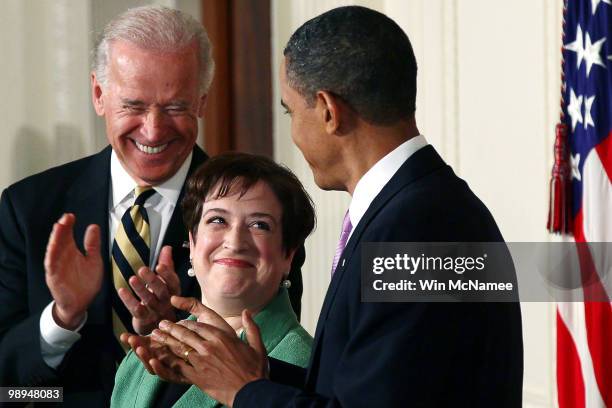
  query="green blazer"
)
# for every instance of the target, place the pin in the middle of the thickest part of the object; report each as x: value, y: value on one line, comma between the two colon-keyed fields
x: 281, y: 333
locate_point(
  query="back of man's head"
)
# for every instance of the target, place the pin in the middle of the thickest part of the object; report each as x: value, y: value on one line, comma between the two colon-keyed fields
x: 359, y: 55
x: 155, y: 28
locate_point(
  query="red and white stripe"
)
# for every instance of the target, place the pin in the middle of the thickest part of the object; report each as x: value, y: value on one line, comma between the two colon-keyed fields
x: 584, y: 329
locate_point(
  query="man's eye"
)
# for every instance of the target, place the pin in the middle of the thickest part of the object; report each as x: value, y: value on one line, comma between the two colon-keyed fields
x: 261, y: 225
x: 287, y: 112
x: 176, y: 110
x: 133, y: 109
x: 215, y: 220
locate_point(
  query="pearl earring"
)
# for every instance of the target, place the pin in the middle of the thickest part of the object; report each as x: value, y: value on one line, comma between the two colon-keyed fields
x: 190, y: 271
x: 286, y: 284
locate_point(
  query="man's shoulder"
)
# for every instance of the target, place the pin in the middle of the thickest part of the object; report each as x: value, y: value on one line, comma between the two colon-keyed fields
x: 59, y: 177
x: 438, y: 206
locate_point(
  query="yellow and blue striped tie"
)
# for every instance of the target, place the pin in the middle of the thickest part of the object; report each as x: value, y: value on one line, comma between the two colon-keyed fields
x: 130, y: 252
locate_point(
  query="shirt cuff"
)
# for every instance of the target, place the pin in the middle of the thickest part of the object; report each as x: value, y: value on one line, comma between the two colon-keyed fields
x: 55, y: 341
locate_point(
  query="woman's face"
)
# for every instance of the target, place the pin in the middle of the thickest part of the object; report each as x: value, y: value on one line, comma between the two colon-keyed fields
x: 238, y: 251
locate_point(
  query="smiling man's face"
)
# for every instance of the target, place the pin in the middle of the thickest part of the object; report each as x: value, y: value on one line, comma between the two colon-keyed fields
x: 150, y: 104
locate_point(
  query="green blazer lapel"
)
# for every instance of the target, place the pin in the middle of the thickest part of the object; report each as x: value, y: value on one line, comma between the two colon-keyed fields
x: 275, y: 321
x: 194, y: 397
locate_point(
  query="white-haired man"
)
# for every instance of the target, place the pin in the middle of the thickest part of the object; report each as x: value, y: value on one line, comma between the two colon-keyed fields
x: 60, y: 325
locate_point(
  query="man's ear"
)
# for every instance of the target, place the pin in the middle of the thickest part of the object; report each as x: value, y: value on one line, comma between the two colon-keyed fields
x: 328, y: 106
x: 202, y: 105
x: 97, y: 96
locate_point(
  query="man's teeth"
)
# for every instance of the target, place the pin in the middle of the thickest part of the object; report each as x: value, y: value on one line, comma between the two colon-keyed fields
x: 150, y: 149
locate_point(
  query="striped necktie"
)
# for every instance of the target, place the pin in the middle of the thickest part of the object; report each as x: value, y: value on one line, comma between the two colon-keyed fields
x: 347, y: 227
x: 130, y: 252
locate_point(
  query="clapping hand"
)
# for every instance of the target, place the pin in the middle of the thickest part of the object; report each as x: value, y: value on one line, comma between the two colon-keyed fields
x: 154, y: 291
x: 73, y: 278
x: 152, y: 352
x: 206, y: 353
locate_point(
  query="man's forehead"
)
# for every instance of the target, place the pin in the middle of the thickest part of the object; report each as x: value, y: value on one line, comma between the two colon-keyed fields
x: 127, y: 56
x: 138, y: 72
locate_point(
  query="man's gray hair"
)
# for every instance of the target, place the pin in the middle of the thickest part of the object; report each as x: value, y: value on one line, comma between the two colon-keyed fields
x: 155, y: 28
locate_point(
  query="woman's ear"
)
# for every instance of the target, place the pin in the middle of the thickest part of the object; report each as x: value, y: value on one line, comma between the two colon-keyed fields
x: 191, y: 243
x: 288, y: 261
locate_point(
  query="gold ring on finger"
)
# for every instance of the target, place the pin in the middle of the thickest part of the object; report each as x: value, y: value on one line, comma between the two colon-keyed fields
x: 186, y: 354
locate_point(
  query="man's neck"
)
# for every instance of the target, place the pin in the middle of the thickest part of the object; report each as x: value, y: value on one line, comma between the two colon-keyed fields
x: 369, y: 145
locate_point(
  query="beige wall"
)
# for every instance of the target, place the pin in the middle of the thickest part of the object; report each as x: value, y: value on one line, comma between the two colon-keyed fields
x: 488, y: 97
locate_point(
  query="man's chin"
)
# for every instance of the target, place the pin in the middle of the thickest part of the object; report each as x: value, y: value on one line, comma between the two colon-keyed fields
x: 153, y: 175
x: 326, y: 184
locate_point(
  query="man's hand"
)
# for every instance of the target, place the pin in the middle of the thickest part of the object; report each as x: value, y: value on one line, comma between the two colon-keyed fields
x: 219, y: 364
x: 154, y: 291
x: 150, y: 351
x: 202, y: 313
x: 74, y: 279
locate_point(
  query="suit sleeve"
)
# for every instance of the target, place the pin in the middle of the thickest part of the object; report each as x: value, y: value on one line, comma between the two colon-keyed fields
x: 388, y: 339
x: 21, y: 361
x: 286, y: 373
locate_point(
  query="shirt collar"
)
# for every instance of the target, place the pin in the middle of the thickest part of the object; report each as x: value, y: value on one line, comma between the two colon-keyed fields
x: 123, y: 184
x: 378, y: 176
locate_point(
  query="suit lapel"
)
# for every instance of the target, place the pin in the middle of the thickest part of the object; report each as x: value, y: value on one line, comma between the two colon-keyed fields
x: 88, y: 200
x: 421, y: 163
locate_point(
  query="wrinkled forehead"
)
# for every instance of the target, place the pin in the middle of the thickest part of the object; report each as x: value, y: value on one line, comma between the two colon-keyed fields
x: 131, y: 63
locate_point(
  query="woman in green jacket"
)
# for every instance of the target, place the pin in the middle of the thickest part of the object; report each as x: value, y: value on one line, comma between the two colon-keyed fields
x: 246, y: 216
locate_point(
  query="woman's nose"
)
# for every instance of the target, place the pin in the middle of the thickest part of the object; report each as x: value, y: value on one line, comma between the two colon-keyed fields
x: 236, y: 239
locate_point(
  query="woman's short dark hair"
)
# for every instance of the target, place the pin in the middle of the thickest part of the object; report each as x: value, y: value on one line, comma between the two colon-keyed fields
x: 225, y: 172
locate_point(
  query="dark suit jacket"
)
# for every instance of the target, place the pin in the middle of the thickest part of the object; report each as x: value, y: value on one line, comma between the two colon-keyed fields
x: 28, y: 210
x: 406, y: 354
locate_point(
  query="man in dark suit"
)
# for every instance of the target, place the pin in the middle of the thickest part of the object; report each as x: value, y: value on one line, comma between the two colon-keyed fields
x: 152, y: 70
x: 348, y: 82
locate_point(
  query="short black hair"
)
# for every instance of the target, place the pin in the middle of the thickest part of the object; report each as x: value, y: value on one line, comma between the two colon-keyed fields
x: 219, y: 176
x: 359, y: 55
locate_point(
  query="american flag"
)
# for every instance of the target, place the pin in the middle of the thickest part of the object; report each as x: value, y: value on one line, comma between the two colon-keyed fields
x: 584, y: 329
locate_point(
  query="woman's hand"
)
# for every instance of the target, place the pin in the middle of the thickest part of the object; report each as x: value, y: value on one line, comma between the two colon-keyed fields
x: 216, y: 361
x: 154, y: 291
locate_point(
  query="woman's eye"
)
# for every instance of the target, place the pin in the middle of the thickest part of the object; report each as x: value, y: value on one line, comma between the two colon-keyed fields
x: 261, y: 225
x: 215, y: 220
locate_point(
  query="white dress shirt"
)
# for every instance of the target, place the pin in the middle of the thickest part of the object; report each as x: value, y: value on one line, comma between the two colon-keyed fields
x: 371, y: 183
x: 55, y: 341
